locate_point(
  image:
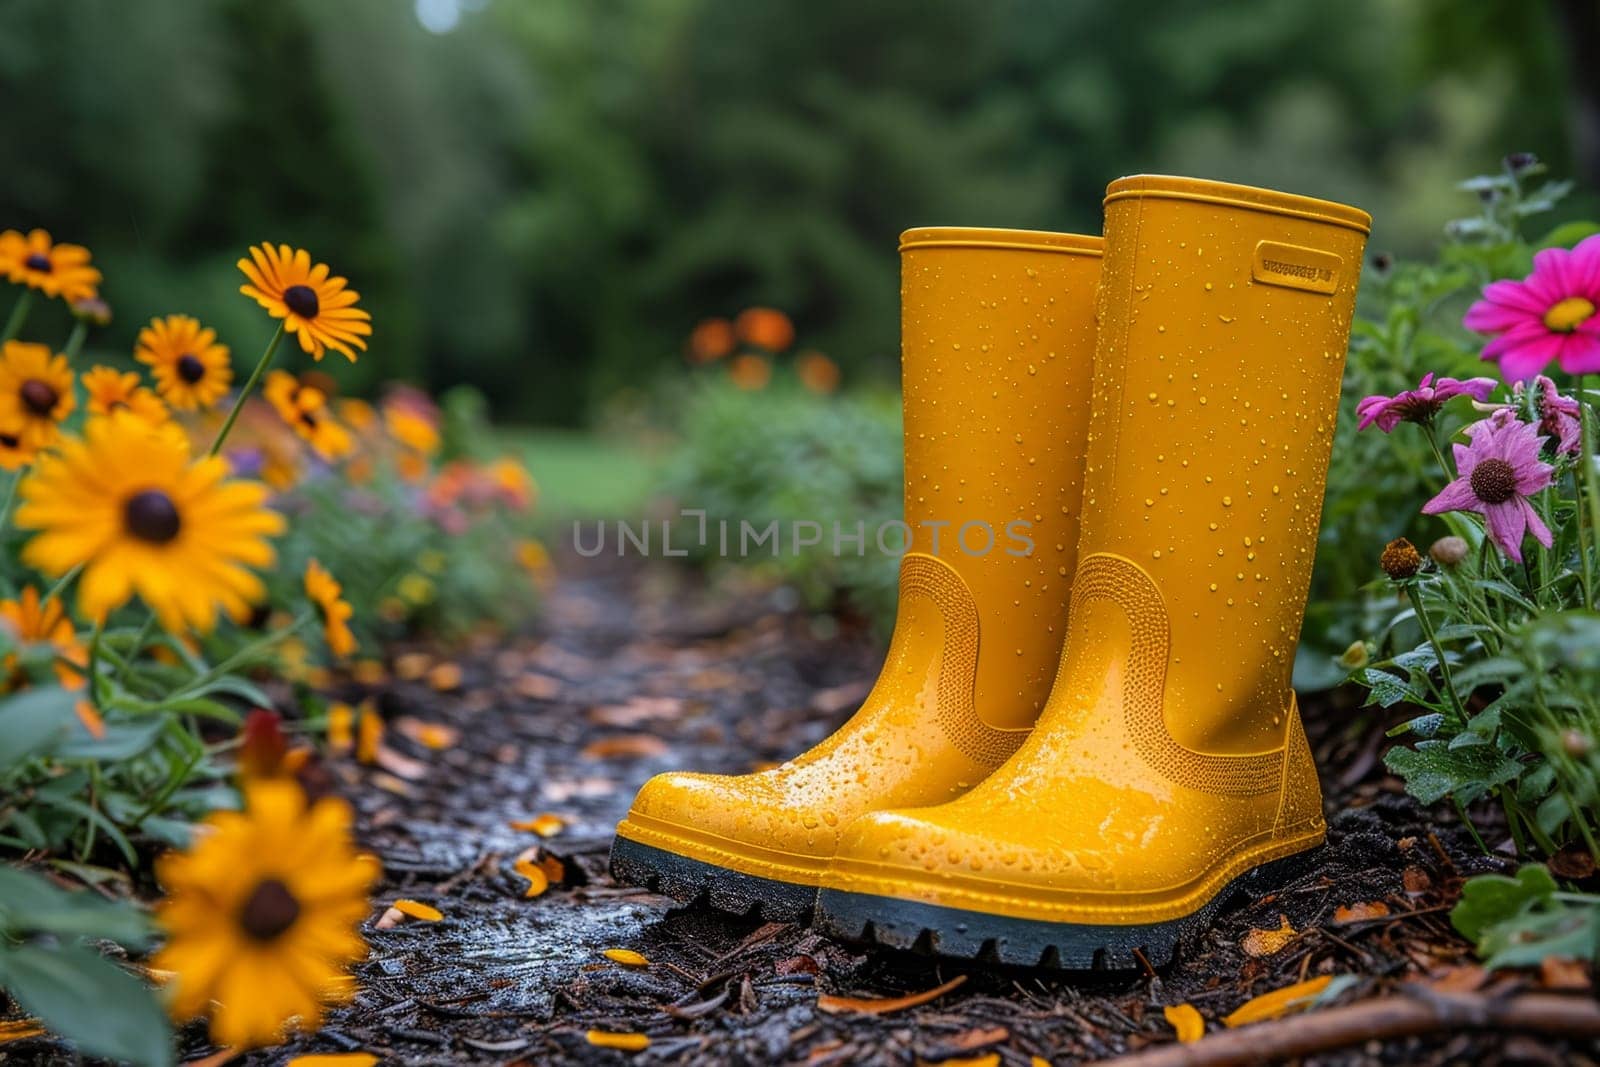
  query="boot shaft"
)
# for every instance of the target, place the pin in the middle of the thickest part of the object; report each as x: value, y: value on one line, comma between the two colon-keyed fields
x: 1224, y: 317
x: 997, y: 335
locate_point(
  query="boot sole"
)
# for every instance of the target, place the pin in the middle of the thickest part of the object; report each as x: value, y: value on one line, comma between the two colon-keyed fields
x: 690, y: 881
x: 931, y: 929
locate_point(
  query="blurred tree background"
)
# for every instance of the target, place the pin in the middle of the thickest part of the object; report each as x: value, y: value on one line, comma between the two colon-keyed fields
x: 541, y: 198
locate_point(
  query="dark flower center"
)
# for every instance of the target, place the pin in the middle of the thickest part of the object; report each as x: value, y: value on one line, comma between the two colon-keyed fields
x: 151, y: 516
x: 1494, y: 481
x: 190, y: 369
x: 9, y: 441
x: 1400, y: 559
x: 302, y: 300
x: 38, y: 262
x: 39, y: 397
x: 270, y: 911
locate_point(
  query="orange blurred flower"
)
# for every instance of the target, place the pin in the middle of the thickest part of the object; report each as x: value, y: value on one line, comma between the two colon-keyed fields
x: 817, y: 372
x: 711, y: 340
x: 766, y: 328
x: 750, y: 373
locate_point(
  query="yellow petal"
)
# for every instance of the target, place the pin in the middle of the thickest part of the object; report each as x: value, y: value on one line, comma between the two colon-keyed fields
x: 1259, y: 942
x: 545, y: 825
x: 1186, y: 1021
x: 1279, y: 1002
x: 528, y: 866
x: 625, y: 956
x: 334, y: 1059
x: 418, y: 910
x: 623, y: 1042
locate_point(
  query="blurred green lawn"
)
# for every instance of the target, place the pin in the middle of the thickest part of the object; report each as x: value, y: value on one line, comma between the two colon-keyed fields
x: 584, y: 475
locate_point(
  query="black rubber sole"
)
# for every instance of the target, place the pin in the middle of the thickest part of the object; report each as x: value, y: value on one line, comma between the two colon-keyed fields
x: 690, y: 881
x: 931, y: 929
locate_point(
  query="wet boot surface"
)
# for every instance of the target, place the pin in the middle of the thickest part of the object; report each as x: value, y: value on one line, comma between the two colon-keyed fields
x: 639, y: 668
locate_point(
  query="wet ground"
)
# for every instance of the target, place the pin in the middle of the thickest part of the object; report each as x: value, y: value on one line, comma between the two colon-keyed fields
x: 634, y: 671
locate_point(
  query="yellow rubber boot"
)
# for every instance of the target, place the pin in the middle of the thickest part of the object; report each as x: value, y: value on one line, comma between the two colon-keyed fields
x: 997, y: 337
x: 1169, y: 768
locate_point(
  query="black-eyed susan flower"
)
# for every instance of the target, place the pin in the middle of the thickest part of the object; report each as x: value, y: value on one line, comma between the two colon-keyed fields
x: 111, y: 390
x: 54, y: 269
x: 35, y: 394
x: 305, y: 409
x: 261, y: 915
x: 411, y: 428
x: 192, y: 371
x: 326, y: 593
x: 127, y: 504
x: 318, y: 308
x: 32, y: 620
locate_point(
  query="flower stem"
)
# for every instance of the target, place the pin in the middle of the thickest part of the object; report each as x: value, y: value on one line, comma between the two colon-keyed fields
x: 19, y: 314
x: 80, y: 330
x: 61, y: 583
x: 11, y: 499
x: 1590, y: 490
x: 1438, y: 650
x: 249, y: 387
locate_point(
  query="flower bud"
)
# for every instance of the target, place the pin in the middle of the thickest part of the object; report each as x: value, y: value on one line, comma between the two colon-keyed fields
x: 1517, y: 162
x: 1449, y: 551
x: 93, y: 310
x: 1400, y: 559
x: 1576, y: 744
x: 1356, y: 656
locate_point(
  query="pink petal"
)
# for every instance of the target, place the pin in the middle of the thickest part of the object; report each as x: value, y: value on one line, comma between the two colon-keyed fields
x: 1549, y: 277
x: 1580, y: 353
x: 1488, y: 317
x: 1515, y: 295
x: 1507, y: 522
x: 1585, y: 266
x: 1536, y: 526
x: 1523, y: 333
x: 1457, y: 496
x: 1526, y: 361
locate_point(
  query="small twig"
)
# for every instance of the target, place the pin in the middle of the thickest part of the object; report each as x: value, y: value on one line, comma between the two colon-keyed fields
x: 1416, y: 1011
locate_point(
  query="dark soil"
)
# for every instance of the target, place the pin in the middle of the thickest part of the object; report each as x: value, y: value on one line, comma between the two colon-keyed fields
x: 638, y: 670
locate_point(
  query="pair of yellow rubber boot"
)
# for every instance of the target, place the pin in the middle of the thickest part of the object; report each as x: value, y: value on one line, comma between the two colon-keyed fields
x: 1073, y: 755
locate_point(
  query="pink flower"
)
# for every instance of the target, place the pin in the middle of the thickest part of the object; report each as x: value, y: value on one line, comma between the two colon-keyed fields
x: 1499, y: 468
x: 1558, y: 414
x: 1420, y: 404
x: 1549, y: 315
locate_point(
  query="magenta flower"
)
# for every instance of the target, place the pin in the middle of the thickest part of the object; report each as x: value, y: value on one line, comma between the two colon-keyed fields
x: 1558, y: 414
x: 1549, y: 315
x: 1420, y: 404
x: 1499, y: 468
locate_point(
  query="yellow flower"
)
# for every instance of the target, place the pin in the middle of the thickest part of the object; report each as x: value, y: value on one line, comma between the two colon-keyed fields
x: 412, y: 429
x: 33, y: 622
x: 55, y: 270
x: 305, y: 409
x: 35, y: 394
x: 111, y: 390
x: 127, y: 504
x: 358, y: 414
x: 261, y: 915
x: 415, y: 588
x: 318, y: 309
x: 324, y: 590
x: 14, y: 455
x: 191, y: 369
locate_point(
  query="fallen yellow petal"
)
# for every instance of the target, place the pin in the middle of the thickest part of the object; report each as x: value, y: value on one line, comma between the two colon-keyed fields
x: 1259, y: 942
x: 369, y: 734
x: 1279, y: 1002
x: 624, y: 1042
x: 334, y: 1059
x: 341, y: 732
x: 527, y: 865
x: 1186, y: 1021
x: 545, y: 825
x: 991, y: 1059
x: 418, y: 910
x: 625, y: 956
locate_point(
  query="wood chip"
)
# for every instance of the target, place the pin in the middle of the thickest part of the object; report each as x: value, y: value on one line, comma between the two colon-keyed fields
x: 1355, y: 913
x: 625, y: 746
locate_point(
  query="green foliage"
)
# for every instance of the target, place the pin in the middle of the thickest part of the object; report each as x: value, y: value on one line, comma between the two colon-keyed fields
x: 49, y: 967
x: 538, y: 200
x: 1519, y: 921
x: 788, y: 455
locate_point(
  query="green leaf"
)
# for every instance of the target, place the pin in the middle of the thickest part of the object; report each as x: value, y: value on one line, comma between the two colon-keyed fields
x: 30, y: 904
x: 90, y: 1001
x: 121, y: 741
x: 1564, y: 929
x: 1387, y: 690
x: 1433, y: 770
x: 1493, y: 898
x: 34, y: 722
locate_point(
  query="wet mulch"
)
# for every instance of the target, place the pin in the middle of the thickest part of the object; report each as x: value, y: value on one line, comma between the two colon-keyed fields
x: 640, y: 669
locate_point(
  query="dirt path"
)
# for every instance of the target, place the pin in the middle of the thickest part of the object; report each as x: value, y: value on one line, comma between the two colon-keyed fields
x: 640, y: 670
